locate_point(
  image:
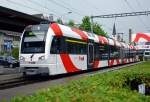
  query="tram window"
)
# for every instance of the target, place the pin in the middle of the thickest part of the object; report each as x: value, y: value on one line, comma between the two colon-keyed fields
x: 65, y: 45
x: 103, y: 52
x: 132, y: 53
x: 81, y: 48
x: 55, y: 46
x: 114, y: 52
x: 96, y: 51
x: 126, y: 53
x: 33, y: 47
x: 75, y: 47
x: 71, y: 48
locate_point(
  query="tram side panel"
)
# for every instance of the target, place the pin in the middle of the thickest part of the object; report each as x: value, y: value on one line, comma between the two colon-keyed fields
x: 71, y: 54
x: 101, y: 55
x: 114, y: 58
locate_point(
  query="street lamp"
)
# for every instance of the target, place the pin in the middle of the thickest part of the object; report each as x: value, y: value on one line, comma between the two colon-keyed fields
x: 61, y: 17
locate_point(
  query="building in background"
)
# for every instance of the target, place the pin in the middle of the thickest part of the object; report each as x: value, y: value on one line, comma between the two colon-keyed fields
x: 8, y: 40
x: 142, y: 40
x: 48, y: 17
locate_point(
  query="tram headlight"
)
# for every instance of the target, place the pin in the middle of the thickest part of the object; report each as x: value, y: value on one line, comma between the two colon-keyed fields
x: 22, y: 58
x: 42, y: 58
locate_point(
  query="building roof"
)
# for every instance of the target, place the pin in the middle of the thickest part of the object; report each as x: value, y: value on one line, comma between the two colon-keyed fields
x: 10, y: 33
x: 16, y: 21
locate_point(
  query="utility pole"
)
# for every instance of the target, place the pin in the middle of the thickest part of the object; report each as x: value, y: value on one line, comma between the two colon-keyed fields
x: 130, y: 35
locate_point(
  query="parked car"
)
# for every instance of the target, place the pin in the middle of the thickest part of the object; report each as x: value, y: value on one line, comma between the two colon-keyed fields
x: 11, y: 62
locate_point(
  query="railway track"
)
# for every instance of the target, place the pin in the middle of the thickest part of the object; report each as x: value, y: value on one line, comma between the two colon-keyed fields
x: 11, y: 83
x: 21, y: 81
x: 16, y: 82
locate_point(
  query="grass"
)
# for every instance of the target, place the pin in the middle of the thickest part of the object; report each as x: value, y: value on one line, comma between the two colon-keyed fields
x: 105, y: 87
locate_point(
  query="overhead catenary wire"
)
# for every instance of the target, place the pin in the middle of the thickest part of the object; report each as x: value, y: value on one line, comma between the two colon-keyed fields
x: 128, y: 4
x: 93, y: 6
x: 139, y: 4
x: 29, y: 7
x: 40, y: 5
x: 70, y: 6
x: 98, y: 10
x: 53, y: 12
x: 67, y: 8
x: 63, y: 6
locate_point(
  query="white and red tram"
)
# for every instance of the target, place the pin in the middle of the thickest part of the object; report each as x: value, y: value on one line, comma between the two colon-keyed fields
x: 57, y: 49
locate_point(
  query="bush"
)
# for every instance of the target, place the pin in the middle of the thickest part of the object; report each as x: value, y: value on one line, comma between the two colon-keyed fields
x: 104, y: 87
x: 15, y: 53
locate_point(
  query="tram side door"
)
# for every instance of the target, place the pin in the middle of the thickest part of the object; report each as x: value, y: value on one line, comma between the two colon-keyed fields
x: 90, y: 55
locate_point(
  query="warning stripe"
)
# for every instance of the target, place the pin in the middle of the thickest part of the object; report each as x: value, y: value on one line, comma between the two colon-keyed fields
x: 81, y: 33
x: 55, y: 27
x: 66, y: 60
x: 124, y: 61
x: 110, y: 62
x: 103, y: 40
x: 70, y: 67
x: 118, y: 61
x: 96, y: 63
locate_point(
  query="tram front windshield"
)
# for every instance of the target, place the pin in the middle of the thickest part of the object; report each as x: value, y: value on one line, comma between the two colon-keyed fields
x: 33, y: 41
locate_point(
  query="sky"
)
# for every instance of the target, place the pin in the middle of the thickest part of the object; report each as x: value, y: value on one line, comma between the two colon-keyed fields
x: 81, y: 8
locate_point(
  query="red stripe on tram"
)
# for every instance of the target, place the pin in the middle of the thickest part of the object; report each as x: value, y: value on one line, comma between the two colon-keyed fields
x: 66, y: 60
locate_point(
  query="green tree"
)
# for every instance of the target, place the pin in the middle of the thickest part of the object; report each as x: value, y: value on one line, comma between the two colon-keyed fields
x: 71, y: 23
x: 59, y: 20
x: 97, y: 28
x: 15, y: 53
x: 86, y: 24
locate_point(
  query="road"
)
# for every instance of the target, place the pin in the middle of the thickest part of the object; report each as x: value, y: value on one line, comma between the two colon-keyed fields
x: 30, y: 89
